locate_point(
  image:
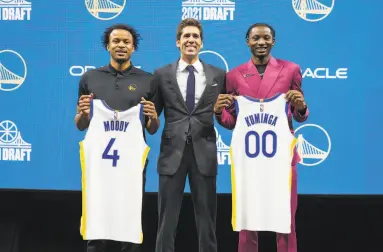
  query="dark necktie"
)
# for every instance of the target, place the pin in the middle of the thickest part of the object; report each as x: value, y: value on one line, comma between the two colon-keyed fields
x: 190, y: 89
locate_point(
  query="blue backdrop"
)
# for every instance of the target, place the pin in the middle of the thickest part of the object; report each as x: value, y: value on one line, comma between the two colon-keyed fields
x: 46, y: 46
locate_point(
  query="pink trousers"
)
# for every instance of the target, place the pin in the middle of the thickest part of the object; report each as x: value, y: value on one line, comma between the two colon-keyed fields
x: 248, y: 240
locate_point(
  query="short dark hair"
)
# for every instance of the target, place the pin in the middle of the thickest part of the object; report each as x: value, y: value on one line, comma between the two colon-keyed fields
x: 257, y: 25
x: 136, y: 36
x: 189, y: 22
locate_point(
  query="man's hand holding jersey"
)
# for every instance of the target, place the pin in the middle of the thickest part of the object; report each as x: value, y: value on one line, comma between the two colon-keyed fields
x: 150, y: 111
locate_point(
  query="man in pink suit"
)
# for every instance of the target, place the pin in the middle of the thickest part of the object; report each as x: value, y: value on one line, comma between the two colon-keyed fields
x: 262, y: 77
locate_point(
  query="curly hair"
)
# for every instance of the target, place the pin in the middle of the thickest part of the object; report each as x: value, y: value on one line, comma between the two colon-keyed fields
x: 136, y: 36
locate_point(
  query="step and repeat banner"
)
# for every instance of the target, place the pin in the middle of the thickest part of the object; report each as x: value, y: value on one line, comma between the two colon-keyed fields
x: 46, y: 46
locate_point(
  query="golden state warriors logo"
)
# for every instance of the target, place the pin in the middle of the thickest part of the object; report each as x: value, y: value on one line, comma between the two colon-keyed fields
x: 132, y: 87
x: 214, y: 58
x: 12, y: 145
x: 313, y: 145
x: 12, y: 10
x: 313, y: 10
x: 13, y: 70
x: 105, y: 9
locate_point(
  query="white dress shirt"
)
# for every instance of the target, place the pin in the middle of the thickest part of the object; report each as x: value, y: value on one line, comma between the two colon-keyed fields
x: 200, y: 79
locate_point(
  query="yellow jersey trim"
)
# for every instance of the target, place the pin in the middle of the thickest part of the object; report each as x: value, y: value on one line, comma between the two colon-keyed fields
x: 144, y: 157
x: 292, y: 146
x: 83, y: 185
x: 233, y: 193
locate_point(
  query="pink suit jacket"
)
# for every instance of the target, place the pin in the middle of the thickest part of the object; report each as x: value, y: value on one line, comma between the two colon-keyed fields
x: 280, y: 76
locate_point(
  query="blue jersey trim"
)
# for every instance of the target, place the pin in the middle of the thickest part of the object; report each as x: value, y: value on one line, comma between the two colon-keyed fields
x: 91, y: 109
x: 236, y: 107
x: 107, y: 107
x: 141, y: 114
x: 287, y: 109
x: 263, y: 100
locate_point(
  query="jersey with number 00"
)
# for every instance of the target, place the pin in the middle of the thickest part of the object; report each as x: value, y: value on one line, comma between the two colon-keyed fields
x: 113, y: 156
x: 261, y: 154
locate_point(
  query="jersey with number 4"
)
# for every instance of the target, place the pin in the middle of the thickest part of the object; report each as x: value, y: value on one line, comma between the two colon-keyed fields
x: 113, y: 155
x: 261, y: 154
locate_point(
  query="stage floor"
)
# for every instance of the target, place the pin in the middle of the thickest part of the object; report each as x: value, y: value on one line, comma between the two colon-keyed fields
x: 49, y: 222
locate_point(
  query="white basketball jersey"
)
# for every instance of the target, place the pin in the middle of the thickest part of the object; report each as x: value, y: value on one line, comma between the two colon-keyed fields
x: 261, y: 154
x: 113, y: 156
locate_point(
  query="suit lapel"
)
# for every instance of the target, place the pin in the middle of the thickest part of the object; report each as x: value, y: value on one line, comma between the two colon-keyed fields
x: 175, y: 87
x: 269, y: 78
x: 260, y: 88
x: 174, y: 84
x: 209, y: 82
x: 250, y: 78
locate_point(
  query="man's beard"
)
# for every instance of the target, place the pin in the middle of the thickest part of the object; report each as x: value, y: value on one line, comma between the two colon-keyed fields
x: 121, y: 61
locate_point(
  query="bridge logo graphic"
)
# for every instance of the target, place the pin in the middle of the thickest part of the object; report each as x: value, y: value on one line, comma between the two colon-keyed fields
x: 223, y: 151
x: 221, y: 58
x: 12, y: 75
x: 313, y: 10
x: 105, y: 9
x: 313, y: 145
x: 12, y: 145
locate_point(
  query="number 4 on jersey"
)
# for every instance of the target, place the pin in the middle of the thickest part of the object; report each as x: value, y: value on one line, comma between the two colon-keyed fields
x: 115, y: 155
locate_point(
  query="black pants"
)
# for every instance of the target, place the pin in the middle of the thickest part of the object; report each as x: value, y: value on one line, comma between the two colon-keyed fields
x: 115, y: 246
x: 170, y: 194
x: 111, y: 246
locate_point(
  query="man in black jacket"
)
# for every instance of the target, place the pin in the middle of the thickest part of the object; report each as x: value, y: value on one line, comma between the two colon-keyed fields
x: 187, y: 91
